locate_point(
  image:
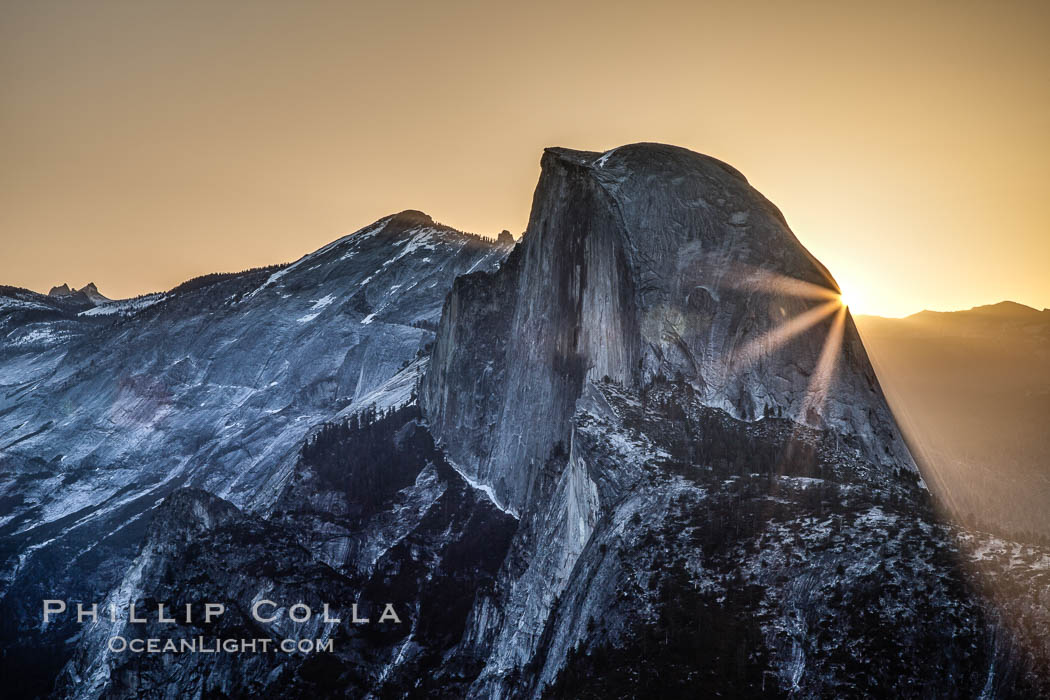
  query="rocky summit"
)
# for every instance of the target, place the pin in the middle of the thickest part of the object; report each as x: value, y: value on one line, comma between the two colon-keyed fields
x: 639, y: 452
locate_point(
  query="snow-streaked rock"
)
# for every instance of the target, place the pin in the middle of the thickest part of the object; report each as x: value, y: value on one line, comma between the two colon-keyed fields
x: 105, y: 410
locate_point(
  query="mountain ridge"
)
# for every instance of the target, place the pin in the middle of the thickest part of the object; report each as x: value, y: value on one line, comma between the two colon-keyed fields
x: 106, y: 410
x: 999, y: 308
x: 972, y: 391
x: 395, y: 223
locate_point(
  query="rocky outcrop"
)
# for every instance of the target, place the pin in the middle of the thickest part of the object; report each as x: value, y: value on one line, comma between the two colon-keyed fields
x: 89, y: 292
x: 646, y: 261
x: 62, y: 290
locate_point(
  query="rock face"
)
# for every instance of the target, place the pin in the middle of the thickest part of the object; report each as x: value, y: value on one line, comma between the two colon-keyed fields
x: 106, y: 410
x: 62, y: 290
x: 646, y: 261
x: 701, y: 498
x: 426, y: 548
x: 94, y: 296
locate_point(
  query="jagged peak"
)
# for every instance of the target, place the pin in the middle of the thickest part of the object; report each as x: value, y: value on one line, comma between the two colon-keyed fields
x: 89, y: 291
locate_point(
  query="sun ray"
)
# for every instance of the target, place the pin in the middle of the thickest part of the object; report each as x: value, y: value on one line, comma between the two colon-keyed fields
x: 789, y: 286
x: 770, y: 341
x: 824, y: 373
x: 748, y: 278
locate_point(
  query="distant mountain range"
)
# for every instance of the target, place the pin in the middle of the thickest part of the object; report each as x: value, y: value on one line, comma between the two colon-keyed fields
x: 971, y: 390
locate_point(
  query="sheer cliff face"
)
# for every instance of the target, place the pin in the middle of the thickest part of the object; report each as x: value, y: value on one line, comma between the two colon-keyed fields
x: 645, y: 261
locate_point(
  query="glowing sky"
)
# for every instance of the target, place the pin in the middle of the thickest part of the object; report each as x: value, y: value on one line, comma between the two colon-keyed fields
x: 143, y: 143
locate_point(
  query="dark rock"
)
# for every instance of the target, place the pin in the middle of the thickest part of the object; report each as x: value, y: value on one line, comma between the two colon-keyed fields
x: 61, y: 291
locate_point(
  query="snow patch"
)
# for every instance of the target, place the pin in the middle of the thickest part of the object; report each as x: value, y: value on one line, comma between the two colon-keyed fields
x: 324, y: 301
x: 604, y: 159
x: 485, y: 489
x: 125, y: 306
x: 7, y: 303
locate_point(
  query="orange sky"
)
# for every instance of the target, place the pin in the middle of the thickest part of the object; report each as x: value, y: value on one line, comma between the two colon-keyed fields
x: 146, y: 142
